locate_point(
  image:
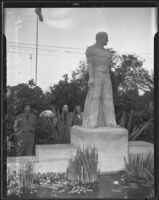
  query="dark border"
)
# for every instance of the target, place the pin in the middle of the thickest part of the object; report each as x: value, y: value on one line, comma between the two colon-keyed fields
x: 88, y: 3
x: 72, y: 3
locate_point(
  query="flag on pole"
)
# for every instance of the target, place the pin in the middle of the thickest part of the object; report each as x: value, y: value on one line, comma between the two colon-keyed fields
x: 38, y: 12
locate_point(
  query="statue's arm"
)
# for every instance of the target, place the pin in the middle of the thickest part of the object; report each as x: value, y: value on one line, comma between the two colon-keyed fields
x: 90, y: 65
x: 110, y: 61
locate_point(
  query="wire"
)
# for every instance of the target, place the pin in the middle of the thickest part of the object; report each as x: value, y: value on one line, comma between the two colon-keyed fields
x: 47, y: 46
x: 48, y: 50
x: 64, y: 47
x: 28, y: 53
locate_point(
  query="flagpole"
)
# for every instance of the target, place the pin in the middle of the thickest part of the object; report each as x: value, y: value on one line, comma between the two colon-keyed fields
x: 36, y: 50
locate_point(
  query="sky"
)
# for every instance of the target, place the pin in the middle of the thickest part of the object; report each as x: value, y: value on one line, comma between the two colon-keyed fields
x: 65, y: 34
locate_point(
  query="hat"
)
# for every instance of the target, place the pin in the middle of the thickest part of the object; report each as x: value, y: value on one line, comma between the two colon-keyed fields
x: 27, y: 103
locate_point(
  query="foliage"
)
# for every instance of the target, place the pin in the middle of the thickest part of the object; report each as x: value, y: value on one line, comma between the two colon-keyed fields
x: 20, y: 179
x: 45, y: 131
x: 63, y: 131
x: 71, y: 92
x: 84, y: 166
x: 26, y: 174
x: 142, y: 166
x: 139, y: 123
x: 50, y: 133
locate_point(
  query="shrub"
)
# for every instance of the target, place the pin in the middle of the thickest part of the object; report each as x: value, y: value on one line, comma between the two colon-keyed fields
x: 21, y: 179
x: 141, y: 165
x: 84, y: 166
x: 45, y: 131
x: 50, y: 133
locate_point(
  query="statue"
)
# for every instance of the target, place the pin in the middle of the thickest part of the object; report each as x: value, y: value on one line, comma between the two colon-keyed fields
x: 99, y: 107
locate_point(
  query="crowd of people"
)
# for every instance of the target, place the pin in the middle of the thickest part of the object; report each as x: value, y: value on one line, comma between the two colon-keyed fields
x: 26, y: 123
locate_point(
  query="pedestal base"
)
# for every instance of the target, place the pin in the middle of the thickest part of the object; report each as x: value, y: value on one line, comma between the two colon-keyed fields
x: 112, y: 145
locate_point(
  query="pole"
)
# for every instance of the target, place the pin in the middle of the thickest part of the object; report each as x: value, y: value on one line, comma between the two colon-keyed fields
x: 36, y: 50
x: 31, y: 66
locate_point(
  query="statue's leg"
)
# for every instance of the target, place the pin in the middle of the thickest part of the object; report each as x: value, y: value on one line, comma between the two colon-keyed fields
x: 86, y: 113
x: 94, y: 103
x: 108, y: 103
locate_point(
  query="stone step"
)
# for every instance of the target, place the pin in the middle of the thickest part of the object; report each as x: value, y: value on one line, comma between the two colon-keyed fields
x: 55, y: 158
x: 136, y: 147
x: 54, y: 152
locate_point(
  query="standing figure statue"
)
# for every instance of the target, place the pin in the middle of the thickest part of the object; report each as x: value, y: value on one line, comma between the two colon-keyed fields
x: 99, y: 107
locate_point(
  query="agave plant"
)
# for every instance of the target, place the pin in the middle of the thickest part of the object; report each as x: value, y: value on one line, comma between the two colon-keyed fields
x: 21, y: 178
x: 141, y: 165
x: 136, y: 130
x: 84, y: 166
x: 62, y: 135
x: 26, y: 174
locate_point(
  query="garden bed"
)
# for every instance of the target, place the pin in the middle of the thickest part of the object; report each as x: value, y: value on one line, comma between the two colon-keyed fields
x: 116, y: 185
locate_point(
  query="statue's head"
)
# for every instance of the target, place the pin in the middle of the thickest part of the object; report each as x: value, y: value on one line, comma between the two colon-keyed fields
x: 102, y: 37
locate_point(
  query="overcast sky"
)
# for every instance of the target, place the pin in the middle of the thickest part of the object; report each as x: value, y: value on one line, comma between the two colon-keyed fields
x: 65, y: 34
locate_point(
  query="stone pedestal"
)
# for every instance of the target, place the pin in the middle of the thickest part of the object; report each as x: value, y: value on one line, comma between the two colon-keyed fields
x: 112, y: 145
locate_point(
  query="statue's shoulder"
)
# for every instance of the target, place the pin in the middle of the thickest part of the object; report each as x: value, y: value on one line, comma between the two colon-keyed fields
x: 90, y: 50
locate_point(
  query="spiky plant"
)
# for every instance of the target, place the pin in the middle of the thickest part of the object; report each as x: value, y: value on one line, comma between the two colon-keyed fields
x: 26, y: 174
x: 84, y: 166
x: 141, y: 165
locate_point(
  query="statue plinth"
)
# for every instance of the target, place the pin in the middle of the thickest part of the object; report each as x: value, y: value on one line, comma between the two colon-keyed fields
x: 112, y: 145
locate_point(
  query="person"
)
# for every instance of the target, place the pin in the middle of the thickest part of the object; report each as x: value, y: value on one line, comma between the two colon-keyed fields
x: 77, y: 116
x: 24, y: 127
x: 50, y: 114
x: 99, y: 107
x: 66, y: 119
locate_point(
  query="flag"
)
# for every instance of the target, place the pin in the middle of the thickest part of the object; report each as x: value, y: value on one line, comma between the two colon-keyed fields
x: 38, y: 12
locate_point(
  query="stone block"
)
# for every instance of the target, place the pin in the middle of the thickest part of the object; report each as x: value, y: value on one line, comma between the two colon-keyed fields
x: 53, y: 157
x: 112, y: 145
x: 14, y: 163
x: 137, y: 147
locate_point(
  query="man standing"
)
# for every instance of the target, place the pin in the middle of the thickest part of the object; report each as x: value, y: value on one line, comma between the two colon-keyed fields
x: 99, y: 107
x: 25, y: 125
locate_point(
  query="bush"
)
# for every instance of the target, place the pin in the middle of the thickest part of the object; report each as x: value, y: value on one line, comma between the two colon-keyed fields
x: 21, y: 179
x: 45, y: 131
x: 141, y: 165
x: 49, y: 132
x: 84, y: 166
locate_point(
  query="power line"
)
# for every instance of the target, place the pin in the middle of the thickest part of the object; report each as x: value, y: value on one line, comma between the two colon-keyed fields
x: 64, y: 47
x: 28, y: 53
x: 48, y: 50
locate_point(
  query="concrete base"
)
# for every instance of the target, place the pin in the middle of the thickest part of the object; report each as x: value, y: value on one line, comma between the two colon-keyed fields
x: 55, y: 158
x: 112, y: 145
x: 137, y: 147
x: 14, y: 163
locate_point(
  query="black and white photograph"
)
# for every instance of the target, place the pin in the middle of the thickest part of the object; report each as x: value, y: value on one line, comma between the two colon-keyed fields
x: 79, y: 119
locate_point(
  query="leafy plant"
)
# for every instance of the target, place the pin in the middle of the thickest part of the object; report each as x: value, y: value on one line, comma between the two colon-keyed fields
x: 45, y: 131
x: 26, y: 174
x: 141, y: 165
x: 136, y: 124
x: 21, y: 179
x: 63, y: 130
x: 84, y: 166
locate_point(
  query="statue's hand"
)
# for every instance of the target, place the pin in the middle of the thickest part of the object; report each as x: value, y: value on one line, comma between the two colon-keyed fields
x: 91, y: 83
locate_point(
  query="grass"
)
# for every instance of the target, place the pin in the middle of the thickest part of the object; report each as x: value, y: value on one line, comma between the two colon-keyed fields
x: 21, y: 179
x: 142, y: 166
x: 84, y: 166
x: 26, y: 174
x: 62, y: 135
